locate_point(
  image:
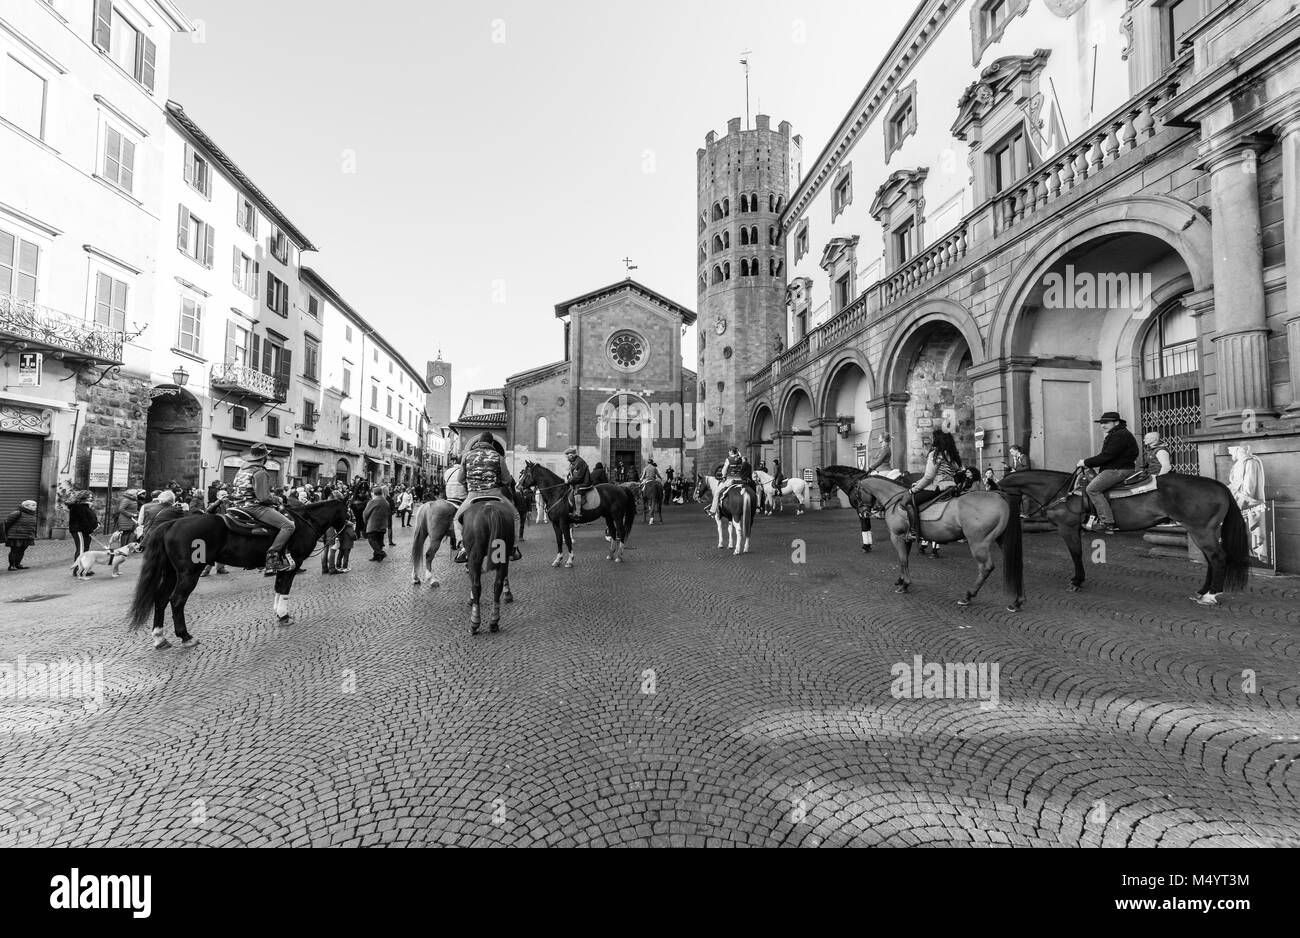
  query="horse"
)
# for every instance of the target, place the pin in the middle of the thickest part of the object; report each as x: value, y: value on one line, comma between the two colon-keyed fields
x: 433, y: 524
x: 978, y: 517
x: 1205, y: 507
x: 796, y: 487
x: 738, y: 507
x: 361, y: 495
x: 845, y: 478
x: 652, y: 500
x: 522, y: 507
x: 489, y: 539
x: 177, y: 552
x: 616, y: 505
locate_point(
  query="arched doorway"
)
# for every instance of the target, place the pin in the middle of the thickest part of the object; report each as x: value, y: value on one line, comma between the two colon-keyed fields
x: 627, y: 436
x: 173, y: 439
x: 342, y: 471
x: 932, y: 369
x: 1106, y: 329
x: 797, y: 424
x: 762, y: 436
x: 845, y: 404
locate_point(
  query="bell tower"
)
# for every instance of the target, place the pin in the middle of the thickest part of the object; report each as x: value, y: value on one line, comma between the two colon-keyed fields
x: 744, y: 180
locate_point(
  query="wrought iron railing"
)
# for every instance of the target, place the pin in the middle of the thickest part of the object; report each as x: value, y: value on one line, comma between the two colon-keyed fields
x: 23, y: 319
x: 236, y: 376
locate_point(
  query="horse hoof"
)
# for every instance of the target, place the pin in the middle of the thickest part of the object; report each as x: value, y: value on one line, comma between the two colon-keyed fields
x: 618, y: 560
x: 284, y: 620
x: 434, y: 584
x: 189, y: 643
x: 556, y: 562
x: 473, y: 630
x: 900, y: 589
x: 508, y: 598
x: 162, y: 646
x: 1013, y: 608
x: 963, y: 602
x: 569, y: 565
x: 494, y: 628
x: 1073, y: 588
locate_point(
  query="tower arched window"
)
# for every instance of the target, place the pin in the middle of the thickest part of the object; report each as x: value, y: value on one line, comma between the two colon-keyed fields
x: 753, y: 267
x: 726, y: 239
x: 744, y: 236
x: 717, y: 243
x: 704, y: 255
x: 726, y: 271
x: 717, y: 275
x: 704, y: 282
x: 744, y: 267
x: 543, y: 431
x: 717, y: 211
x: 780, y: 200
x: 771, y: 202
x: 726, y: 208
x: 704, y: 221
x: 771, y: 235
x: 753, y: 235
x: 778, y: 267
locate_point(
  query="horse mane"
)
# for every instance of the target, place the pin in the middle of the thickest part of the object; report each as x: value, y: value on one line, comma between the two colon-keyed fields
x: 540, y: 471
x: 845, y: 470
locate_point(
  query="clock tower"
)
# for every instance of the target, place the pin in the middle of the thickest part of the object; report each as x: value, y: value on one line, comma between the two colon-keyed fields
x: 744, y: 180
x: 438, y: 404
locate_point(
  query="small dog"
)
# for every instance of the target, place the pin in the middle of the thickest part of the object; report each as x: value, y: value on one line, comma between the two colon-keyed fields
x: 81, y: 568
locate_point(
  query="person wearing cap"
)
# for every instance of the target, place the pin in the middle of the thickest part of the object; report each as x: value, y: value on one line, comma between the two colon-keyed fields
x: 486, y: 476
x: 1114, y: 464
x: 733, y: 471
x: 579, y: 478
x: 1155, y: 455
x: 250, y: 491
x: 124, y: 520
x: 20, y: 532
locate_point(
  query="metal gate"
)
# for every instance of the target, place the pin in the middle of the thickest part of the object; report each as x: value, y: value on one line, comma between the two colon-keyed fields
x: 1172, y: 408
x: 20, y: 455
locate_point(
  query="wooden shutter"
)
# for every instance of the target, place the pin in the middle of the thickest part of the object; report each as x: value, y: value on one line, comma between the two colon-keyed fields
x: 209, y: 254
x: 267, y: 356
x: 189, y: 164
x: 270, y: 290
x: 103, y: 31
x: 103, y: 299
x: 148, y: 63
x: 230, y: 342
x: 237, y: 274
x: 183, y: 230
x: 282, y: 376
x: 255, y: 356
x: 126, y: 165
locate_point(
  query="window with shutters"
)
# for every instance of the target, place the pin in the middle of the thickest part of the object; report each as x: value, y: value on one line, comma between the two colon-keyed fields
x: 309, y: 415
x: 198, y: 172
x: 347, y: 333
x: 346, y: 381
x: 245, y: 272
x: 246, y: 216
x: 110, y: 301
x: 194, y: 237
x: 114, y: 34
x: 273, y: 425
x: 189, y: 337
x: 19, y: 265
x: 345, y: 428
x: 278, y: 245
x: 23, y: 95
x: 374, y: 397
x: 313, y: 306
x: 374, y: 436
x: 239, y: 418
x: 277, y: 295
x: 389, y: 413
x: 238, y: 343
x: 311, y: 358
x: 119, y: 159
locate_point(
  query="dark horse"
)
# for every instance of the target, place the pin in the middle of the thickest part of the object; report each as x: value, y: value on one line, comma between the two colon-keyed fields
x: 489, y: 539
x: 177, y: 552
x: 616, y: 505
x: 361, y: 495
x: 652, y: 500
x: 1205, y: 507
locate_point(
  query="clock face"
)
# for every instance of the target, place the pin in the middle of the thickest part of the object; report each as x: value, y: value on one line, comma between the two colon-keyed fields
x: 439, y: 381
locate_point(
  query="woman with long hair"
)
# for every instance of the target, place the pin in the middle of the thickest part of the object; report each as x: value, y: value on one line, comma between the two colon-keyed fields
x: 942, y: 466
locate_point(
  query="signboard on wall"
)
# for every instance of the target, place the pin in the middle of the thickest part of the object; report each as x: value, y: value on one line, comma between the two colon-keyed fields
x: 30, y: 365
x: 109, y: 468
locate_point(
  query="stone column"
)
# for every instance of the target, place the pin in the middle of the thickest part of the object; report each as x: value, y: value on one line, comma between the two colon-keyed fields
x: 1289, y: 136
x: 896, y: 423
x: 1241, y: 340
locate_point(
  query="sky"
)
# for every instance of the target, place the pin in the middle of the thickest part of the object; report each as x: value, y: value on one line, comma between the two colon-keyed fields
x: 464, y: 167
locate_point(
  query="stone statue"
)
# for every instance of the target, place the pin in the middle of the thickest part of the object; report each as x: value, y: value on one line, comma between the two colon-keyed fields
x: 1246, y: 482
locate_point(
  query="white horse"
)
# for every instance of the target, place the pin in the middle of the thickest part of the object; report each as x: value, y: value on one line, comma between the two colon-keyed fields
x: 738, y: 528
x: 796, y: 487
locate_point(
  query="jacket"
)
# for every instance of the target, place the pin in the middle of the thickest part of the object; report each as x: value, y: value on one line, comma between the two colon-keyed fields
x: 82, y: 518
x: 485, y: 470
x: 1118, y: 451
x: 1151, y: 459
x: 251, y: 486
x: 454, y: 481
x: 579, y: 474
x: 598, y: 476
x: 377, y: 515
x: 649, y: 473
x: 939, y: 471
x: 127, y: 509
x: 20, y: 525
x: 347, y: 537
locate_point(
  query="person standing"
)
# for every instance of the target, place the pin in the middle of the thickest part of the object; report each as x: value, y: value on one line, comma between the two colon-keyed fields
x: 392, y: 513
x: 598, y: 474
x: 884, y: 453
x: 377, y: 516
x: 20, y: 532
x: 82, y: 522
x: 1114, y: 464
x: 347, y: 537
x: 1156, y: 458
x: 405, y: 504
x: 124, y: 520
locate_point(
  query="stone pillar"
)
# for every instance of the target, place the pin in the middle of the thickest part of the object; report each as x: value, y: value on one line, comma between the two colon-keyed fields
x: 1241, y: 339
x: 1289, y: 136
x: 896, y: 423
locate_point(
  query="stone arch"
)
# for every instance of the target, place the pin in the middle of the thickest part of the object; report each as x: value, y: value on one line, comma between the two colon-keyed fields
x: 783, y: 410
x: 836, y: 364
x: 908, y: 335
x: 173, y: 438
x: 1176, y: 223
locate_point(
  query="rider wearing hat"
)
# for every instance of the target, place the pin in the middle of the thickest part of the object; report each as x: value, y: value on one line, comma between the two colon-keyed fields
x: 251, y: 492
x: 1114, y: 464
x: 579, y: 478
x: 486, y: 476
x: 735, y: 469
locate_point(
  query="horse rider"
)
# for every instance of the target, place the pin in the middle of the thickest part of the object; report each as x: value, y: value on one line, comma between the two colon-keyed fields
x: 578, y: 479
x: 1156, y: 459
x: 650, y: 473
x: 778, y: 478
x: 884, y: 454
x: 251, y: 492
x: 942, y: 466
x: 598, y: 474
x: 486, y: 476
x: 1114, y: 464
x: 453, y: 481
x: 735, y: 470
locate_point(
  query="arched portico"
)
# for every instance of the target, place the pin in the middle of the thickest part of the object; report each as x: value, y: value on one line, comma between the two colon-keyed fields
x: 843, y: 402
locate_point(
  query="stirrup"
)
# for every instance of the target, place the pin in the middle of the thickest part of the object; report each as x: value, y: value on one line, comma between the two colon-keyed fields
x: 462, y: 556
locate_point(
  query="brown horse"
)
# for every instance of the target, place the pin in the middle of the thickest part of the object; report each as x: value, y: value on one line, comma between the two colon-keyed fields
x: 652, y: 500
x: 980, y: 518
x: 489, y: 541
x: 433, y: 525
x: 1205, y: 507
x: 737, y: 507
x: 617, y: 507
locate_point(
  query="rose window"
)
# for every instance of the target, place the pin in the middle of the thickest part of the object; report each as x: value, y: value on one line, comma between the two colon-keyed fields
x: 627, y: 350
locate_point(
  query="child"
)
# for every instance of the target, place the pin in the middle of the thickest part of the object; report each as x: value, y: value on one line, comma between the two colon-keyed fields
x: 330, y: 555
x: 346, y: 538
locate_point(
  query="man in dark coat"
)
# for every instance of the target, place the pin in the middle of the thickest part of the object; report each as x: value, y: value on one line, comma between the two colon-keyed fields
x: 377, y: 516
x: 486, y: 475
x: 82, y: 521
x: 250, y: 491
x: 598, y: 474
x: 579, y: 477
x: 20, y: 532
x: 1114, y: 464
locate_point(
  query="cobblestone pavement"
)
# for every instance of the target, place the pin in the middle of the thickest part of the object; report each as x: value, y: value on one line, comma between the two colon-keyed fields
x: 1123, y: 717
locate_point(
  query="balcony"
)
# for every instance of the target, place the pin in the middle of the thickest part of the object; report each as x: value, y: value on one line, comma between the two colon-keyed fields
x: 1117, y: 141
x: 240, y: 380
x: 42, y: 329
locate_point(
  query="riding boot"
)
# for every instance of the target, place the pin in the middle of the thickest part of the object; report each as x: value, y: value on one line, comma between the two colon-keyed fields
x: 913, y: 521
x: 276, y: 563
x: 515, y: 554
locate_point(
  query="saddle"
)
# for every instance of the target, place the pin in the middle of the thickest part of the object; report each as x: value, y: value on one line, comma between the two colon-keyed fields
x: 1139, y: 483
x: 480, y: 497
x: 241, y: 522
x: 588, y: 499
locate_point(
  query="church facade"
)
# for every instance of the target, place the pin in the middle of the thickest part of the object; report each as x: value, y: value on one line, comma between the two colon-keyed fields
x: 621, y: 394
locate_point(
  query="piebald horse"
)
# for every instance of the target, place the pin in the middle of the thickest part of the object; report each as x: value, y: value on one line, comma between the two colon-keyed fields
x: 738, y: 507
x: 978, y: 517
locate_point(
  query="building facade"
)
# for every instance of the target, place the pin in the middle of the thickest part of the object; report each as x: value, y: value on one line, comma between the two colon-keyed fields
x: 82, y: 184
x: 1047, y: 241
x: 744, y: 179
x: 620, y: 394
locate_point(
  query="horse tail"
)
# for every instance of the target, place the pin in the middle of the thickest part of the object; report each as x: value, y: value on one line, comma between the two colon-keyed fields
x: 1235, y: 538
x: 1013, y: 549
x: 501, y: 530
x: 629, y: 516
x: 150, y: 581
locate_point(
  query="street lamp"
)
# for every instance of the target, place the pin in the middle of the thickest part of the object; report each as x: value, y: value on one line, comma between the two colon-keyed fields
x: 180, y: 376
